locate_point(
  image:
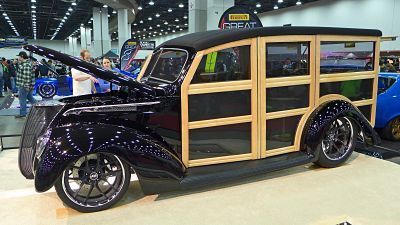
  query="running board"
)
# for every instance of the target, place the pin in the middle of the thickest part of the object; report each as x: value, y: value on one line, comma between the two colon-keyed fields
x: 213, y: 174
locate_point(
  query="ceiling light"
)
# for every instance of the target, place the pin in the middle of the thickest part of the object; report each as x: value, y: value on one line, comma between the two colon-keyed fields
x: 181, y: 29
x: 33, y: 1
x: 255, y: 12
x: 157, y: 15
x: 65, y: 18
x: 141, y: 21
x: 280, y: 1
x: 149, y: 18
x: 135, y: 24
x: 7, y: 18
x: 33, y: 19
x: 258, y: 5
x: 140, y: 7
x: 108, y: 15
x: 158, y: 25
x: 67, y: 13
x: 298, y: 3
x: 4, y: 14
x: 114, y: 12
x: 185, y: 17
x: 70, y: 9
x: 276, y: 7
x: 150, y: 28
x: 181, y: 5
x: 176, y: 20
x: 165, y: 22
x: 151, y: 3
x: 33, y: 11
x: 173, y: 31
x: 105, y: 6
x: 74, y: 3
x: 33, y: 7
x: 169, y: 10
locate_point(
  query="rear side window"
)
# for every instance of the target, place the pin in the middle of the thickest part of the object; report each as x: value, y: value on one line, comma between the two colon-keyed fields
x: 346, y: 57
x: 385, y: 83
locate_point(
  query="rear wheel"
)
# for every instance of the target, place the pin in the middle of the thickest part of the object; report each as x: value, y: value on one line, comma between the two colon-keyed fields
x: 338, y: 142
x: 93, y: 182
x: 47, y: 90
x: 392, y: 130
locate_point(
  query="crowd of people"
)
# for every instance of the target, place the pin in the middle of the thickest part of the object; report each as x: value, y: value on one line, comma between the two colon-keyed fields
x: 18, y: 76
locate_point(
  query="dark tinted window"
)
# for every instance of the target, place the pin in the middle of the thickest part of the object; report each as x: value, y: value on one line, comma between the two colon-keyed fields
x: 219, y: 105
x: 287, y: 59
x: 220, y: 141
x: 341, y: 57
x: 281, y: 132
x: 225, y: 65
x: 285, y: 98
x: 366, y: 111
x: 385, y: 83
x: 353, y: 89
x: 166, y: 65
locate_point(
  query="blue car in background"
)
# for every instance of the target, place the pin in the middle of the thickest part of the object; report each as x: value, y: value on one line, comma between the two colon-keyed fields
x: 47, y: 87
x: 388, y: 106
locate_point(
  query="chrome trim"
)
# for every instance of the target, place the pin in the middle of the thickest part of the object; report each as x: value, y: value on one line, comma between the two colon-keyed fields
x: 108, y: 108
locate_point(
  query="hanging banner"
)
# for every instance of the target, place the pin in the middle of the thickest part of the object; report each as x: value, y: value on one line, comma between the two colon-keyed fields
x: 129, y: 50
x: 238, y: 17
x: 13, y: 41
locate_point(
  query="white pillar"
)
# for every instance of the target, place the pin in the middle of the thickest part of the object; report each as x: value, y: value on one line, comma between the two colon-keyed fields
x: 89, y: 39
x: 75, y: 46
x: 197, y: 15
x: 97, y: 45
x: 83, y: 38
x: 129, y: 30
x: 215, y: 9
x: 70, y: 46
x: 105, y: 37
x: 123, y: 30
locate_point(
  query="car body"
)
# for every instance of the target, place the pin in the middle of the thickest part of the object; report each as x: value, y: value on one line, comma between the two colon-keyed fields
x: 48, y: 87
x: 195, y: 116
x: 388, y: 105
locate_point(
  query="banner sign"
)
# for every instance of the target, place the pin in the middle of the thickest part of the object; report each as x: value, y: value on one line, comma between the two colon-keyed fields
x: 239, y: 17
x: 13, y: 41
x: 129, y: 50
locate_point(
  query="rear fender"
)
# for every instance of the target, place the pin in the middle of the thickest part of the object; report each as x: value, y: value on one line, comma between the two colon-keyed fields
x: 149, y: 157
x: 325, y: 114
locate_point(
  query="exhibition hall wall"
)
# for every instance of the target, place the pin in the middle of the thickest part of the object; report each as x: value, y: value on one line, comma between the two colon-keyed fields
x: 371, y: 14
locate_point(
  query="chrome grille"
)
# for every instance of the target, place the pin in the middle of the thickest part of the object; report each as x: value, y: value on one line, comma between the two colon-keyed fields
x: 36, y: 123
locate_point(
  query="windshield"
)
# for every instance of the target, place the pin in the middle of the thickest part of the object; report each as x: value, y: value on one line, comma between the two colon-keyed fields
x: 166, y: 65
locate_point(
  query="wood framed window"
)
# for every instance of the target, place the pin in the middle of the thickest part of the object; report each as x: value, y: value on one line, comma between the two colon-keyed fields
x: 287, y: 89
x: 219, y: 105
x: 348, y: 66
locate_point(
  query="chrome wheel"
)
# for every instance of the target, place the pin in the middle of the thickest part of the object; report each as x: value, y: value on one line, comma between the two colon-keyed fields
x: 94, y: 180
x: 338, y: 139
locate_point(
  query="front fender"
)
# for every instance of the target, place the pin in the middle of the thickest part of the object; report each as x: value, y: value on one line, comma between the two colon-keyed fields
x: 325, y: 114
x: 149, y: 157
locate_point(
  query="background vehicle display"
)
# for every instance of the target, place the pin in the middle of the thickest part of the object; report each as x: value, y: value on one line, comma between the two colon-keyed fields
x: 388, y: 106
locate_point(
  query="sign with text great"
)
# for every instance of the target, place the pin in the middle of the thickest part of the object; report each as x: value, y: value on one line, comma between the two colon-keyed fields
x: 129, y: 50
x: 239, y: 17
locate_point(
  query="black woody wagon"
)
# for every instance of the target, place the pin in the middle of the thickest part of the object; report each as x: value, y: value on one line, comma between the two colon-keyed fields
x: 207, y: 107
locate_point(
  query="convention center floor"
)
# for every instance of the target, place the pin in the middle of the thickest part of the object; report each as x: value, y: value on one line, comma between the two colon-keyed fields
x: 363, y: 191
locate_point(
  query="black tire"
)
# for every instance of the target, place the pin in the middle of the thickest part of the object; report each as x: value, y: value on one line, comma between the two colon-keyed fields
x: 337, y: 143
x: 392, y: 130
x: 103, y: 176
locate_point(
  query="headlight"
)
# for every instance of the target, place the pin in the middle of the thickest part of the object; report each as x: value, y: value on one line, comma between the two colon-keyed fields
x: 41, y: 143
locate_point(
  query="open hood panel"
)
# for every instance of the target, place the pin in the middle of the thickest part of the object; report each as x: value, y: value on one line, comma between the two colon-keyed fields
x: 90, y: 68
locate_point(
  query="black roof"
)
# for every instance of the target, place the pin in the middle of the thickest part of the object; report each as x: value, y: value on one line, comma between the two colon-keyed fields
x: 207, y: 39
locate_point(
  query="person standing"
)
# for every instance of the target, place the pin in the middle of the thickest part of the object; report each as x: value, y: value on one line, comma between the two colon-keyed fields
x: 82, y: 82
x: 13, y: 70
x: 25, y: 83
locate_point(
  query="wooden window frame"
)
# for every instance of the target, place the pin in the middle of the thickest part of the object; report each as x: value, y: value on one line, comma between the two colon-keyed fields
x: 188, y: 89
x: 265, y: 83
x: 360, y: 75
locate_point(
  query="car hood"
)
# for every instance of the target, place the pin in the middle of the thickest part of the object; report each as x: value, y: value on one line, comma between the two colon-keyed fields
x: 92, y: 69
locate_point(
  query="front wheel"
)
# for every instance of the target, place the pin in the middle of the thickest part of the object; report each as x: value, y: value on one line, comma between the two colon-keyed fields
x: 392, y: 130
x: 338, y: 142
x: 94, y: 182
